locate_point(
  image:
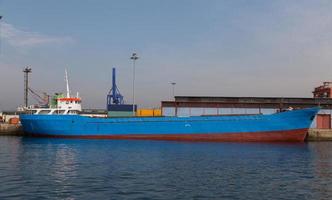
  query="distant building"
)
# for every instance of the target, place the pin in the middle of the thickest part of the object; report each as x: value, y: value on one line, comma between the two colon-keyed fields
x: 197, y: 106
x: 323, y: 91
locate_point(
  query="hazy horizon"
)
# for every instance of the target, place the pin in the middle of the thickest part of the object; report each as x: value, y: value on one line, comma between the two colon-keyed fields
x: 209, y: 48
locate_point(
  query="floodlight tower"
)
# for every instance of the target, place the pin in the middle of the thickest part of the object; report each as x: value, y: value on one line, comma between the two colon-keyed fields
x: 134, y: 57
x: 26, y: 71
x: 0, y: 34
x: 173, y: 89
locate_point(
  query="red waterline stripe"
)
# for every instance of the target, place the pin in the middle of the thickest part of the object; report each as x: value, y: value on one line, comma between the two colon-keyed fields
x: 297, y: 135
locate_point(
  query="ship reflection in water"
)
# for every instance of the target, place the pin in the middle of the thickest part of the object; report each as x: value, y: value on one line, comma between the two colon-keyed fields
x: 65, y: 166
x: 103, y: 169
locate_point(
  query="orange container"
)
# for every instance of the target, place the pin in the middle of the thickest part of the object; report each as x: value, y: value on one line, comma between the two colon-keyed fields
x: 148, y: 112
x: 14, y: 120
x: 157, y: 112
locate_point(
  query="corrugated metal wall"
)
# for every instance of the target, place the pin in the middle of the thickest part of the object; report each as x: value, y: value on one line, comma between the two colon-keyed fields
x: 190, y: 111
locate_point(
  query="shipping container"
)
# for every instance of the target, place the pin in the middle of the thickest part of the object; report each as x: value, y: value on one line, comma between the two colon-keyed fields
x: 148, y: 112
x: 120, y: 114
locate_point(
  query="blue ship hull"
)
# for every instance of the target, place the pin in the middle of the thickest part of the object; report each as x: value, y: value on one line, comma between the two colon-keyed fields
x: 280, y: 127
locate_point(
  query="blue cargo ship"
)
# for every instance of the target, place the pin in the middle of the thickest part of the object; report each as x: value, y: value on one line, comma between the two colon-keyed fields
x: 289, y: 126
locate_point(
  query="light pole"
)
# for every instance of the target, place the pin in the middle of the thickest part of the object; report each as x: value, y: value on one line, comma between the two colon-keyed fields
x: 0, y: 33
x: 173, y: 89
x: 134, y: 57
x: 26, y: 71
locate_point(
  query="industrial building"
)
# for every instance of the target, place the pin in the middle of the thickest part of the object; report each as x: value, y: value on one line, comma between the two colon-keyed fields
x: 197, y: 106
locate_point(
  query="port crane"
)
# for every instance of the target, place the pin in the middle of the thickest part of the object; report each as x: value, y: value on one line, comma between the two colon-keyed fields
x: 114, y: 96
x: 116, y: 102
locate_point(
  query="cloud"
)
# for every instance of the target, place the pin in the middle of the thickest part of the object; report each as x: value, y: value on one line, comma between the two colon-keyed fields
x: 22, y: 38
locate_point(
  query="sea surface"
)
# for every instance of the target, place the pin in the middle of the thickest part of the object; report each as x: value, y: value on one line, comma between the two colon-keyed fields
x: 37, y: 168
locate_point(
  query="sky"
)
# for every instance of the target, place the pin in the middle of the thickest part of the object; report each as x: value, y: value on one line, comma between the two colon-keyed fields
x: 208, y: 47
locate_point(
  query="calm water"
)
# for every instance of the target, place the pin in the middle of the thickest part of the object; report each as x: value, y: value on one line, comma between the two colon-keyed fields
x: 32, y: 168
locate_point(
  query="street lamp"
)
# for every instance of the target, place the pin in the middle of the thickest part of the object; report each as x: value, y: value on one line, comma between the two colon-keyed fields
x: 173, y: 89
x: 134, y: 57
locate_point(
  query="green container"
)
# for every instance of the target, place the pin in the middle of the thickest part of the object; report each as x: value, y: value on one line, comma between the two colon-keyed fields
x: 120, y: 114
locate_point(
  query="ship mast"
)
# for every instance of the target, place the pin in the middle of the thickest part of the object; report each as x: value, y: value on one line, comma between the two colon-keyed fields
x: 67, y: 83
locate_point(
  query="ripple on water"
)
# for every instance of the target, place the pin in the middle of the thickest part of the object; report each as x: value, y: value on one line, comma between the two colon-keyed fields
x: 106, y: 169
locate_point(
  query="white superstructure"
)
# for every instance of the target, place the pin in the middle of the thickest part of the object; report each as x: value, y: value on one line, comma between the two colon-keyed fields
x: 64, y: 105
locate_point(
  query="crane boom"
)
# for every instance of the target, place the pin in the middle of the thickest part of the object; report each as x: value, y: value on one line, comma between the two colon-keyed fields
x: 41, y: 100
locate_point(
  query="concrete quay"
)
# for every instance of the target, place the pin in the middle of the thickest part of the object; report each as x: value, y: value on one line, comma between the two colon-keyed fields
x: 11, y: 129
x: 315, y: 134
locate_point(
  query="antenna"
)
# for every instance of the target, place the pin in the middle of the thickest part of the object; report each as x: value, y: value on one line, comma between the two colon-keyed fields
x: 67, y: 84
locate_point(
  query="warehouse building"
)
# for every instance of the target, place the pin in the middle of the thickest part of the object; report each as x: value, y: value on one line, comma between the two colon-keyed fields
x: 198, y: 106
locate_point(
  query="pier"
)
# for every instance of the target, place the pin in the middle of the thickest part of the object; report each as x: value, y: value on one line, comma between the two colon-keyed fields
x: 315, y: 134
x: 11, y: 129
